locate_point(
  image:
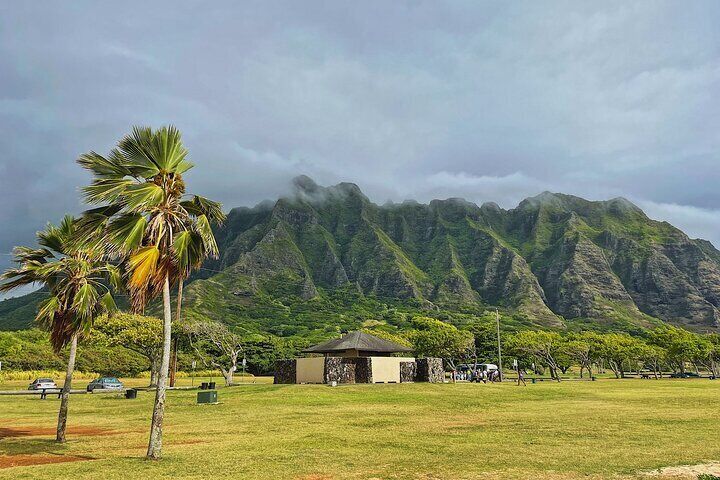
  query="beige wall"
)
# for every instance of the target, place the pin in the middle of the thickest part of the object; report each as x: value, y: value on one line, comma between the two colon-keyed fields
x: 387, y: 369
x: 310, y: 370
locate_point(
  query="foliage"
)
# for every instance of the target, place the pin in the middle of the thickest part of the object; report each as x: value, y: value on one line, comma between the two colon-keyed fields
x: 74, y: 270
x: 30, y: 375
x: 28, y: 350
x: 434, y: 338
x: 145, y: 212
x: 261, y: 352
x: 485, y: 338
x: 138, y: 333
x: 216, y: 346
x: 540, y: 346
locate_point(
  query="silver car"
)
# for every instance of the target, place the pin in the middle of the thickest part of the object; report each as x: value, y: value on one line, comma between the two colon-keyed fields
x: 42, y: 383
x: 105, y: 383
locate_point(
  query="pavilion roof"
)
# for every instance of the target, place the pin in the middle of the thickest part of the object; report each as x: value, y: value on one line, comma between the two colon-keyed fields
x: 358, y: 341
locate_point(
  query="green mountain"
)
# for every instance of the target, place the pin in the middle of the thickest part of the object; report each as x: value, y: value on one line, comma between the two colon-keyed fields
x: 326, y: 258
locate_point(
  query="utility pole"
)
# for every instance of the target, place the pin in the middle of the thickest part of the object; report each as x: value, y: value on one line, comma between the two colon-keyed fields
x: 497, y: 321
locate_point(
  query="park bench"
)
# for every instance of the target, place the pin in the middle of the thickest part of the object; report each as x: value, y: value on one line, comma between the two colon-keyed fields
x: 41, y: 393
x: 44, y: 393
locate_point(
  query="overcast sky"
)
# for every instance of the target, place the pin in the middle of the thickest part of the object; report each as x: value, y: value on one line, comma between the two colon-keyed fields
x: 488, y: 101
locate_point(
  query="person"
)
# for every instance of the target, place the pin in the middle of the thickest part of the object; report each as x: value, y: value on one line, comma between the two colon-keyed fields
x: 521, y: 377
x: 483, y: 376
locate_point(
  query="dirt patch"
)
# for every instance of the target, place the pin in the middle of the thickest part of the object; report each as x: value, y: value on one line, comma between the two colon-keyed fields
x: 8, y: 432
x: 10, y: 461
x: 686, y: 471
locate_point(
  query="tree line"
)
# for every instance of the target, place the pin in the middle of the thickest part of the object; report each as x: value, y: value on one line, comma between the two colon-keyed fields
x: 126, y: 344
x: 130, y: 345
x: 663, y: 349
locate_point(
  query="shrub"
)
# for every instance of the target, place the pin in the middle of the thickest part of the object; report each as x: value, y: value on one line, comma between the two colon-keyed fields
x: 54, y: 374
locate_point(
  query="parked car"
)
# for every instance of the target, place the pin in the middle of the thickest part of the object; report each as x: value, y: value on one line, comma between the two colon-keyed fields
x: 105, y: 383
x: 42, y: 383
x: 685, y: 375
x: 489, y: 367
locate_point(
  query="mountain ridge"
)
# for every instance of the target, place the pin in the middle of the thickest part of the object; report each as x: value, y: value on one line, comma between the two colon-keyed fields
x: 553, y: 259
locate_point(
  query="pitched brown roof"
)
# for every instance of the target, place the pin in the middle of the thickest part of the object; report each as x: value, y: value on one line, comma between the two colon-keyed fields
x: 358, y: 341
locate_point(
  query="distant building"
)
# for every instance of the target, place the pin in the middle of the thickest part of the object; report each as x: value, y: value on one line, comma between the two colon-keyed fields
x: 358, y: 357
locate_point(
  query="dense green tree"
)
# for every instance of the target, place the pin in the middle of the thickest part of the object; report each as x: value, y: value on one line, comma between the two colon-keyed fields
x: 681, y: 346
x: 216, y: 346
x: 148, y: 218
x: 652, y: 357
x: 261, y: 352
x: 485, y: 339
x: 622, y: 352
x: 141, y: 334
x: 435, y: 338
x: 546, y: 347
x: 391, y: 336
x: 584, y: 348
x: 29, y: 350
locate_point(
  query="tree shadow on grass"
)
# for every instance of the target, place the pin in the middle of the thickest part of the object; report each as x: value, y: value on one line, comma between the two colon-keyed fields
x: 30, y: 446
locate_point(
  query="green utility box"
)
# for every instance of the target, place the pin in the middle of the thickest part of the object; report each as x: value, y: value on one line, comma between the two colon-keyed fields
x: 208, y: 396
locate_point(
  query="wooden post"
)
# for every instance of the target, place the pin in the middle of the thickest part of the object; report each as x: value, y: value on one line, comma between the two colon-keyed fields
x: 497, y: 321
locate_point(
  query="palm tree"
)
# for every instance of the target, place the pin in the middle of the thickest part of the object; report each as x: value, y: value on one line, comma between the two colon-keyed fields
x: 75, y: 274
x: 150, y: 221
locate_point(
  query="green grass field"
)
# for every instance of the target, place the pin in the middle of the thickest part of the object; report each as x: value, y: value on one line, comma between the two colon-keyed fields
x: 572, y: 430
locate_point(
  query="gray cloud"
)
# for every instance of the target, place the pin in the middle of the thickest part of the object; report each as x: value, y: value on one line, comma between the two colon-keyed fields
x: 489, y: 101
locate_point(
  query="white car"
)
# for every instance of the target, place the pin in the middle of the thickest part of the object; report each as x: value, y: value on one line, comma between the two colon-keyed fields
x: 42, y: 383
x: 480, y: 367
x: 488, y: 367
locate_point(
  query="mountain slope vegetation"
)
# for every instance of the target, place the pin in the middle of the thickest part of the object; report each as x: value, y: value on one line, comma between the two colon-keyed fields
x: 326, y: 258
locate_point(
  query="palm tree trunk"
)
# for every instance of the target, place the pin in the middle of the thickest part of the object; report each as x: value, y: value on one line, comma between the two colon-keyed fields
x: 173, y: 356
x: 154, y: 371
x: 155, y: 444
x: 65, y: 396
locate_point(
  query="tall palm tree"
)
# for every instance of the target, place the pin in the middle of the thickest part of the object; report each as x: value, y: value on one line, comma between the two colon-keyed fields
x: 147, y: 217
x: 78, y: 281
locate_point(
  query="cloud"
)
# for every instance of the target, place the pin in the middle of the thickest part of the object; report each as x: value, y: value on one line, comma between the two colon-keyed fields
x: 488, y: 101
x: 507, y: 190
x: 696, y: 222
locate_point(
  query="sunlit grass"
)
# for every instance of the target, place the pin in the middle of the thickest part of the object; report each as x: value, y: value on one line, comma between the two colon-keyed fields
x: 570, y: 430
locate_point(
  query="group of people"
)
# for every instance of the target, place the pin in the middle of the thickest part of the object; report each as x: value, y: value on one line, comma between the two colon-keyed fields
x: 483, y: 376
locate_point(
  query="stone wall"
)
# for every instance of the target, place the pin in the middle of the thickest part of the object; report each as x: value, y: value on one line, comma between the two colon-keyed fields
x: 340, y: 370
x: 348, y: 369
x: 285, y: 371
x: 430, y: 370
x: 363, y: 370
x: 408, y: 372
x: 359, y: 370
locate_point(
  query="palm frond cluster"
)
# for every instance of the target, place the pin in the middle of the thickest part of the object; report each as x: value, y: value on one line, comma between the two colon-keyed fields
x: 145, y: 212
x: 76, y: 275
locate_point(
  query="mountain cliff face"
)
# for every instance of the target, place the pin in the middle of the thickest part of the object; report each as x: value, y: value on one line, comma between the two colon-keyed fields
x: 551, y: 260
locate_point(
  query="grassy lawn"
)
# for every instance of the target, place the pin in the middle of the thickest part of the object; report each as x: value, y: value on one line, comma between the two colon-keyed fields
x: 603, y: 429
